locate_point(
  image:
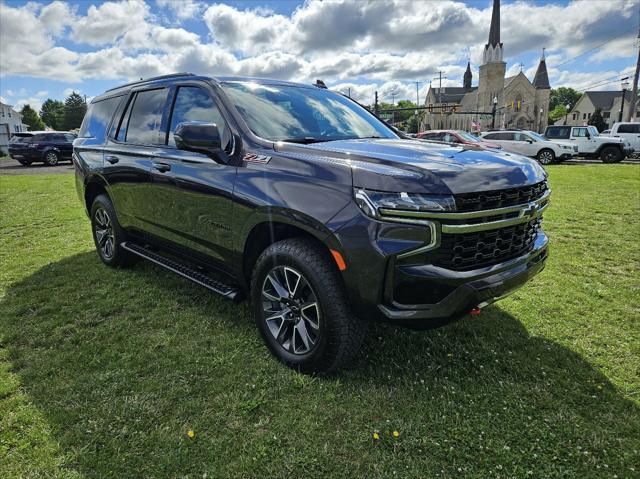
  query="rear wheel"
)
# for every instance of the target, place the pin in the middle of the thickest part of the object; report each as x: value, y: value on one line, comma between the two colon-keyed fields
x: 546, y: 157
x: 24, y: 162
x: 51, y: 158
x: 611, y: 154
x: 301, y: 308
x: 108, y: 234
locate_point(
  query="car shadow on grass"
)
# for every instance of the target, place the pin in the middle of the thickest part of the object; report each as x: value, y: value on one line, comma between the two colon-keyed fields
x: 122, y: 363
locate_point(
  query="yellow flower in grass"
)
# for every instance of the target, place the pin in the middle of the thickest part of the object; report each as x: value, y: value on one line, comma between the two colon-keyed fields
x: 191, y: 434
x: 396, y: 434
x: 376, y: 436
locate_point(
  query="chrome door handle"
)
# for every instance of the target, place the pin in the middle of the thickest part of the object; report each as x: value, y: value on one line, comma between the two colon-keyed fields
x: 161, y: 167
x: 112, y: 159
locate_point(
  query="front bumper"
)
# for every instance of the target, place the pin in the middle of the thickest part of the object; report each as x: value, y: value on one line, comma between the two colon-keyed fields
x: 469, y: 289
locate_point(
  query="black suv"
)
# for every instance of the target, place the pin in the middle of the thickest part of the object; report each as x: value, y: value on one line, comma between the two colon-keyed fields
x: 49, y: 147
x: 306, y: 201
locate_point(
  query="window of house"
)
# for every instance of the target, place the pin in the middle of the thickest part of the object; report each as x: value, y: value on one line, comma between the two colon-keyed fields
x: 638, y: 114
x: 584, y: 116
x: 606, y: 114
x: 589, y: 115
x: 1, y: 111
x: 195, y: 104
x: 144, y: 124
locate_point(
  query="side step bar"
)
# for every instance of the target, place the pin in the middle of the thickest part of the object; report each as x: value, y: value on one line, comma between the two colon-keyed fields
x: 202, y: 279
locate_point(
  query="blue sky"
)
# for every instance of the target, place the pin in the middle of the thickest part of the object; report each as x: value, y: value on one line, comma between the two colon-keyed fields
x: 50, y: 48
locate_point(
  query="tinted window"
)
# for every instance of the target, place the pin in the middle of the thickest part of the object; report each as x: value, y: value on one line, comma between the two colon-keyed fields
x: 122, y: 124
x: 97, y: 118
x: 521, y: 137
x: 41, y: 138
x: 557, y: 132
x: 491, y: 136
x: 69, y: 137
x: 628, y: 128
x: 195, y: 104
x: 504, y: 136
x: 146, y: 118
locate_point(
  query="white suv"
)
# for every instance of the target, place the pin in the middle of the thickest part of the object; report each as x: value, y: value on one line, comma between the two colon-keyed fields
x: 530, y: 143
x: 591, y: 144
x: 629, y: 132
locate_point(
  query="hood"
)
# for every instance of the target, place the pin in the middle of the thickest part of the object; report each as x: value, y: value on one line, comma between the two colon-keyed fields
x: 422, y: 167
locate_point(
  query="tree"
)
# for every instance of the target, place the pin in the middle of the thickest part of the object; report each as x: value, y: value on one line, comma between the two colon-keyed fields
x: 563, y: 96
x: 31, y: 118
x: 74, y: 109
x: 52, y: 113
x: 559, y: 112
x: 597, y: 120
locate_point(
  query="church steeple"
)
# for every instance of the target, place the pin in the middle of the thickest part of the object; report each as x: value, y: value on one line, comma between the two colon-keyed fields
x: 493, y: 49
x: 467, y: 77
x: 541, y: 80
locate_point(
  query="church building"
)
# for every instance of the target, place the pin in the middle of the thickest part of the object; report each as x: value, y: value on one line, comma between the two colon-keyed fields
x: 519, y: 102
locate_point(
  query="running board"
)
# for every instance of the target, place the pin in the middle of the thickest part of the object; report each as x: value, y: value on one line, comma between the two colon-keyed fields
x: 230, y: 292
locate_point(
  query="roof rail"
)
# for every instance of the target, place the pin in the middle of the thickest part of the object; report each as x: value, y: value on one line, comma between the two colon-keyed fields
x: 161, y: 77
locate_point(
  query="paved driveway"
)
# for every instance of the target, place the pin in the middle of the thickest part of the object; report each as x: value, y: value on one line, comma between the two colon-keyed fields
x: 12, y: 167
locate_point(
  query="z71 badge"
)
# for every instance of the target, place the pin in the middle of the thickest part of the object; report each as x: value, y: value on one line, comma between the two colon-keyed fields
x: 253, y: 158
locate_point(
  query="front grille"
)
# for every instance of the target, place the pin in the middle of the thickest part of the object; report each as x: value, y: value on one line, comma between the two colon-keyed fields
x: 488, y: 200
x: 474, y: 250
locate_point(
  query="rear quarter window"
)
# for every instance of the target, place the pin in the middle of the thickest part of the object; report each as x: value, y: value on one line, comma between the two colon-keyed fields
x: 97, y: 119
x: 629, y: 128
x: 557, y: 132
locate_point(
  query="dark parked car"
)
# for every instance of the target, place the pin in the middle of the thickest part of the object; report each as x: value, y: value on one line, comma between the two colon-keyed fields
x: 302, y: 199
x: 49, y: 147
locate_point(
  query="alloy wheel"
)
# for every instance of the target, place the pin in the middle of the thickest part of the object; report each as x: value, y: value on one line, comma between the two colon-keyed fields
x: 104, y: 232
x: 291, y: 310
x: 546, y: 157
x: 51, y: 158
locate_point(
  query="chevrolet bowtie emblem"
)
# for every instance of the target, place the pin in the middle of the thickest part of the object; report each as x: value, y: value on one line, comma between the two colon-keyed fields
x: 531, y: 211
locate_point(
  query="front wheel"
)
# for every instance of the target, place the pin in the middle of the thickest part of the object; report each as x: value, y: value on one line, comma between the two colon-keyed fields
x: 24, y: 162
x: 546, y: 157
x: 611, y: 154
x: 51, y: 158
x: 301, y: 307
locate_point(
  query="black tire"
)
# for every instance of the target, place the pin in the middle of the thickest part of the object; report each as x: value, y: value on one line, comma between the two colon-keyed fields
x: 546, y: 156
x: 338, y: 334
x: 115, y: 255
x: 610, y: 154
x: 25, y: 162
x: 51, y: 158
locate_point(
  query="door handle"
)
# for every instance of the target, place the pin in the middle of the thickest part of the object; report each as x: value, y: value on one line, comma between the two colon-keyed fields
x: 161, y: 167
x: 112, y: 159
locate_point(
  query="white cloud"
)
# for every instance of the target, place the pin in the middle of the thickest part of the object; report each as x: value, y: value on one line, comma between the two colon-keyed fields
x: 111, y: 21
x: 181, y: 9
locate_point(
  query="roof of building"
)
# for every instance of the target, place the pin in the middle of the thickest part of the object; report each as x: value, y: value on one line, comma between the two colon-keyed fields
x: 452, y: 94
x: 603, y: 99
x: 541, y: 80
x: 494, y: 31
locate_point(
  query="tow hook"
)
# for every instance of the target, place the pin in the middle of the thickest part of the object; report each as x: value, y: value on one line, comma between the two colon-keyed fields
x: 475, y: 312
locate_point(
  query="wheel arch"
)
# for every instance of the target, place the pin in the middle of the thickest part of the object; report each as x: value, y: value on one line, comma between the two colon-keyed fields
x: 96, y: 185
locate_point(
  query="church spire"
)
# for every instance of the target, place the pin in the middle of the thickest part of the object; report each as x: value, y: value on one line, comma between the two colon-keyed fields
x: 467, y: 77
x: 493, y: 49
x: 494, y: 32
x: 541, y: 80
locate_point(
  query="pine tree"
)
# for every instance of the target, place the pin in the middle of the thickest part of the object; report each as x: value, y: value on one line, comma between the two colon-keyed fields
x: 597, y: 120
x: 52, y: 113
x: 74, y: 109
x: 31, y: 118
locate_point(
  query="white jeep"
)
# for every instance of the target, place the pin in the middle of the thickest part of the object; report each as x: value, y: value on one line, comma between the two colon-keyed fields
x: 530, y: 143
x: 590, y: 143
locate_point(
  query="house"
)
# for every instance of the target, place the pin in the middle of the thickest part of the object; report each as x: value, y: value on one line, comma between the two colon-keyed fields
x: 10, y: 123
x: 520, y: 103
x: 607, y: 101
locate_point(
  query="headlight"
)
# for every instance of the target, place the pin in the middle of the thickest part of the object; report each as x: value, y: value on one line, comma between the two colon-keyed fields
x: 371, y: 201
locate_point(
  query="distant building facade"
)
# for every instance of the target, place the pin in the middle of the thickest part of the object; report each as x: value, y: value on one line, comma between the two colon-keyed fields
x: 520, y: 102
x: 608, y: 102
x: 10, y: 123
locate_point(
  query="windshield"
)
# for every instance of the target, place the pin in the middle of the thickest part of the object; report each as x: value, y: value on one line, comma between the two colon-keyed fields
x: 537, y: 136
x: 469, y: 136
x: 593, y: 131
x: 301, y: 114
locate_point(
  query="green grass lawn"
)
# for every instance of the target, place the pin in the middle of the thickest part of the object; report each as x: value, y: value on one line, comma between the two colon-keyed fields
x: 103, y: 372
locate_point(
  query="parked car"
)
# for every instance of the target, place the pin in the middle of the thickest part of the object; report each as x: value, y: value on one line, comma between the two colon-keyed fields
x: 530, y: 143
x: 589, y: 143
x: 629, y: 132
x: 48, y: 147
x: 457, y: 137
x: 305, y: 201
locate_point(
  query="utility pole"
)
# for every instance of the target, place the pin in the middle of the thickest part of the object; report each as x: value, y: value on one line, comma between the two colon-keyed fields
x: 634, y: 91
x: 375, y: 105
x: 440, y: 77
x: 349, y: 92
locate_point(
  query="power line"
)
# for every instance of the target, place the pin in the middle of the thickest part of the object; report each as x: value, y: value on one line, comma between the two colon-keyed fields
x: 615, y: 37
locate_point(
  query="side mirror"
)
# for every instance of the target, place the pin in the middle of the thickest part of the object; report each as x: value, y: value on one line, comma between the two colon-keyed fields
x: 529, y: 141
x: 588, y: 136
x: 198, y: 136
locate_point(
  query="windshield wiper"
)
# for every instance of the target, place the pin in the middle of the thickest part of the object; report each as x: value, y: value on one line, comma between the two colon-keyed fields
x: 304, y: 139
